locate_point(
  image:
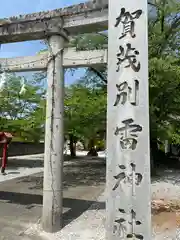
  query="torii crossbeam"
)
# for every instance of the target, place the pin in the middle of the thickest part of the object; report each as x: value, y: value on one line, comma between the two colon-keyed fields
x: 39, y: 62
x: 91, y: 16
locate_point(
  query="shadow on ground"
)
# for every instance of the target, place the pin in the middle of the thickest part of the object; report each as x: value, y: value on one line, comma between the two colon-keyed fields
x: 29, y: 162
x: 80, y: 172
x: 83, y: 182
x: 75, y: 206
x: 14, y: 164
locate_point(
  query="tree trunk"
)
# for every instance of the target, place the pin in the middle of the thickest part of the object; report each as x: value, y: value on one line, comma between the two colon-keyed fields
x: 153, y: 172
x: 153, y: 154
x: 92, y: 149
x: 72, y: 145
x: 154, y: 148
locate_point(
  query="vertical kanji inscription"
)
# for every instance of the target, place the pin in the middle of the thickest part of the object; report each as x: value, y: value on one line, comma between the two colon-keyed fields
x: 128, y: 159
x: 128, y: 21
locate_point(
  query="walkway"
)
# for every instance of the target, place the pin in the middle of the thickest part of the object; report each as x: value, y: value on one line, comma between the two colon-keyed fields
x: 21, y: 198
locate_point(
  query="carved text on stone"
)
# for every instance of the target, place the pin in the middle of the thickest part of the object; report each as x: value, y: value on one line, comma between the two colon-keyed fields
x: 127, y: 20
x: 128, y: 55
x: 127, y: 93
x: 128, y: 134
x: 120, y: 226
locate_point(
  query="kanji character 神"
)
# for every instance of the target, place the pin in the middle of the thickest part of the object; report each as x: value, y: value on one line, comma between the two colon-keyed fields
x: 127, y: 177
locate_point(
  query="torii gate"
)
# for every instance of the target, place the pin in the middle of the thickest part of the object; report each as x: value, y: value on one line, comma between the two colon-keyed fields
x: 128, y: 165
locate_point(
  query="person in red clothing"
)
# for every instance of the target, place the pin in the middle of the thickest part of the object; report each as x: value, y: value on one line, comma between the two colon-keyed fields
x: 5, y: 139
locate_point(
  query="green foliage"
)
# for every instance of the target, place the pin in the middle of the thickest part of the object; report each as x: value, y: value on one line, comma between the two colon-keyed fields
x: 101, y: 145
x: 164, y: 28
x: 90, y: 41
x: 164, y: 70
x: 85, y: 101
x: 22, y: 115
x: 85, y: 111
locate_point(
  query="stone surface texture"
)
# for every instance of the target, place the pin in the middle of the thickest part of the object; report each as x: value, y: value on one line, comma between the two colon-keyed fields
x: 128, y: 163
x: 84, y: 17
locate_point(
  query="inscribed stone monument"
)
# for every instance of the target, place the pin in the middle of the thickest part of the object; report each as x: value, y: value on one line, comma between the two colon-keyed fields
x: 128, y: 164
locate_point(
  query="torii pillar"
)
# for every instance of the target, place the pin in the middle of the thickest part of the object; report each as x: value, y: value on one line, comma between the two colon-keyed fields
x: 54, y: 137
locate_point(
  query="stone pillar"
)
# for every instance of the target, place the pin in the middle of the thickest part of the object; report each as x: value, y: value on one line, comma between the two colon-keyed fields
x: 54, y: 138
x: 128, y: 155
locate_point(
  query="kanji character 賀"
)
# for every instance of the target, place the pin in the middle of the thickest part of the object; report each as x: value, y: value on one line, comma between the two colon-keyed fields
x: 127, y: 19
x: 130, y: 56
x: 128, y: 139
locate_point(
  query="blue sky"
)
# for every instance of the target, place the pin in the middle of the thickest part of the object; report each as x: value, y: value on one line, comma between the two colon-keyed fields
x: 16, y: 7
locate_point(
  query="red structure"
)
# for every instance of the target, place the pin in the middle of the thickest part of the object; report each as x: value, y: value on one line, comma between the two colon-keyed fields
x: 5, y: 139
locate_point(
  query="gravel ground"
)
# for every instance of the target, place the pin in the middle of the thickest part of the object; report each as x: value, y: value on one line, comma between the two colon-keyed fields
x: 90, y: 225
x: 166, y: 185
x: 21, y: 198
x: 166, y: 188
x: 21, y: 166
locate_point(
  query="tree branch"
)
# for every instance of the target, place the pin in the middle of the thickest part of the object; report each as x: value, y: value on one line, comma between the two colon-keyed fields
x: 103, y: 35
x: 169, y: 32
x: 152, y: 4
x: 99, y: 74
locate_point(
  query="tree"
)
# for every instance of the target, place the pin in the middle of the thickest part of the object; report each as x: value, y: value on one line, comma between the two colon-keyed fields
x: 85, y: 114
x: 17, y: 112
x: 94, y: 77
x: 164, y: 78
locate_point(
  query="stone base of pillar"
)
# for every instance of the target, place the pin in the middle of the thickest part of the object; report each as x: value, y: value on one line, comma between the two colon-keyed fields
x: 52, y: 217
